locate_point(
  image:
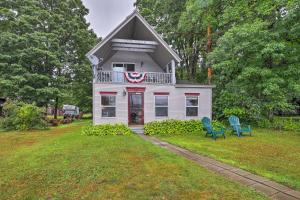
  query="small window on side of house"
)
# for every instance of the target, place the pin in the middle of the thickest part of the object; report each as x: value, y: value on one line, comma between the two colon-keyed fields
x: 192, y: 106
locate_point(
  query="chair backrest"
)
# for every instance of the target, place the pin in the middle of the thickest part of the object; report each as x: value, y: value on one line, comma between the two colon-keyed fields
x: 207, y: 124
x: 234, y: 121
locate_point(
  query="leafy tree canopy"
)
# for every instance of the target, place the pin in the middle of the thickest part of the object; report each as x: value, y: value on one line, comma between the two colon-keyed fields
x: 255, y: 51
x: 42, y: 51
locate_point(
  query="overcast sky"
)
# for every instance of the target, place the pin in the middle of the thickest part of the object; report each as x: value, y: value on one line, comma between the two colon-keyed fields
x: 105, y: 15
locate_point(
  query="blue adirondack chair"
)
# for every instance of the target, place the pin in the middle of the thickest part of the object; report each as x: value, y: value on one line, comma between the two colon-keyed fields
x: 236, y: 126
x: 210, y: 129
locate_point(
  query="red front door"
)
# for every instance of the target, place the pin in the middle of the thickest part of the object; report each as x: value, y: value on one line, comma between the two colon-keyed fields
x: 136, y: 108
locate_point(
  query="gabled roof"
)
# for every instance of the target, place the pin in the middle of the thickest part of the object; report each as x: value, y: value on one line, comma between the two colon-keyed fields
x: 122, y: 30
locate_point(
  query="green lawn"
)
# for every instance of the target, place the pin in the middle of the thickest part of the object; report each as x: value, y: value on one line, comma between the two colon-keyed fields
x: 273, y: 154
x: 63, y: 164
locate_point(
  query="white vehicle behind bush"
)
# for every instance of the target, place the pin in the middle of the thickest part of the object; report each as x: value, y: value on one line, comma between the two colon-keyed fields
x: 70, y: 111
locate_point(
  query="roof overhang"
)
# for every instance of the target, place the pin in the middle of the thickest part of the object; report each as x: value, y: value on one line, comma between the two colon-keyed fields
x: 133, y: 45
x: 135, y: 34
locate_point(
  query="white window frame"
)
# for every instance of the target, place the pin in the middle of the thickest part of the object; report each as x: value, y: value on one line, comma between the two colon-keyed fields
x: 191, y: 106
x: 123, y: 63
x: 103, y: 106
x: 161, y: 106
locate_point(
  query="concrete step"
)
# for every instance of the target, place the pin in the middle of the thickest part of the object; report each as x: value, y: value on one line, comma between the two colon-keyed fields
x: 137, y: 130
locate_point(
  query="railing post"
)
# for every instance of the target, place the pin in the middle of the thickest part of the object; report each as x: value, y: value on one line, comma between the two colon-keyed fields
x: 152, y: 77
x: 173, y: 72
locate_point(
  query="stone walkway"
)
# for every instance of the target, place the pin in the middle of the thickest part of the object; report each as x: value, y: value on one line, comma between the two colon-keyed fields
x: 270, y: 188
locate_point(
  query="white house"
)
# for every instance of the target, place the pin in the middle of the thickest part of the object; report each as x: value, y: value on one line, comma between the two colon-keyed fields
x: 134, y: 79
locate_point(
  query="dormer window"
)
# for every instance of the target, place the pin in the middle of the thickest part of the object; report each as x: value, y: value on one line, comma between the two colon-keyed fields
x: 130, y: 67
x: 127, y: 67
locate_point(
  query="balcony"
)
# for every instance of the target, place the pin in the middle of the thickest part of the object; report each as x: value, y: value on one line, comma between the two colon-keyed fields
x: 120, y: 78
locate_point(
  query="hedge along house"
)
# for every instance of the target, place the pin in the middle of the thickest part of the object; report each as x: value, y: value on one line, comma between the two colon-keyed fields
x: 134, y: 79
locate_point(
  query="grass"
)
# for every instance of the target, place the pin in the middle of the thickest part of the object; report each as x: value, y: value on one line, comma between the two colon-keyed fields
x: 12, y: 141
x: 269, y: 153
x: 52, y: 116
x: 63, y: 164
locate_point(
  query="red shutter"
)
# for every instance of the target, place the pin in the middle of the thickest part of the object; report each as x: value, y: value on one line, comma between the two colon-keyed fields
x: 108, y: 93
x: 161, y: 93
x: 192, y: 94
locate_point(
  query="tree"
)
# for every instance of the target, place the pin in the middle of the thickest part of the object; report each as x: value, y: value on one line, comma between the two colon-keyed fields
x: 171, y: 22
x: 255, y: 49
x: 255, y: 59
x: 42, y: 48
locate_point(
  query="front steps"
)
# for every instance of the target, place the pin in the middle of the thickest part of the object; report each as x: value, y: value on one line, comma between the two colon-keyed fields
x: 137, y: 129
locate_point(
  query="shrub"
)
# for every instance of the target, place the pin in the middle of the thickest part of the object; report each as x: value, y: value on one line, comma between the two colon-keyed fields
x: 21, y: 116
x: 66, y: 121
x: 87, y: 116
x: 54, y: 122
x: 217, y: 123
x: 281, y: 123
x: 174, y: 127
x: 107, y: 129
x: 240, y: 112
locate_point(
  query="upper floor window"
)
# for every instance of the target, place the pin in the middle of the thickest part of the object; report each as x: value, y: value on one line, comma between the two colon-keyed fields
x: 161, y: 106
x: 108, y: 105
x: 129, y: 67
x: 192, y: 105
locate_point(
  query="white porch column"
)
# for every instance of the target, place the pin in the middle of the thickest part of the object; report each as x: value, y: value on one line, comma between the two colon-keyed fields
x: 168, y: 68
x: 173, y: 72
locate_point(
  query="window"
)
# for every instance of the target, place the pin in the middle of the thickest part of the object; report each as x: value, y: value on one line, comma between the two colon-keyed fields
x: 161, y: 106
x: 108, y: 104
x: 129, y: 67
x: 126, y: 66
x: 191, y: 106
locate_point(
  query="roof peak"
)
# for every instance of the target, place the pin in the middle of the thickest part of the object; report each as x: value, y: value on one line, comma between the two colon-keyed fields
x: 130, y: 17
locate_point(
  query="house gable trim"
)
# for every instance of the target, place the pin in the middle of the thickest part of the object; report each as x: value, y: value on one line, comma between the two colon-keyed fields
x: 122, y: 24
x: 158, y: 37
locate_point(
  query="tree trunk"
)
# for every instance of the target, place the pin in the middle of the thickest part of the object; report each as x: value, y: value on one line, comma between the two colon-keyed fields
x: 209, y: 49
x: 56, y: 108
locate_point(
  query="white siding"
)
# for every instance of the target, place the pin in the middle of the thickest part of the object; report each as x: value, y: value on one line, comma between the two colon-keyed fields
x: 149, y: 65
x: 176, y: 102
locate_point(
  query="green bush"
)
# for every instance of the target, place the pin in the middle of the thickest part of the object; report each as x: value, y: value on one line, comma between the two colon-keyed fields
x: 174, y: 127
x: 217, y: 123
x: 107, y: 129
x: 240, y: 112
x: 281, y: 123
x: 87, y: 116
x: 21, y: 116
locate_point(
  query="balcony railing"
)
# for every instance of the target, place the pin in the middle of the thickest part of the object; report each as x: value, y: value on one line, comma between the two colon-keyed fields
x: 119, y: 77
